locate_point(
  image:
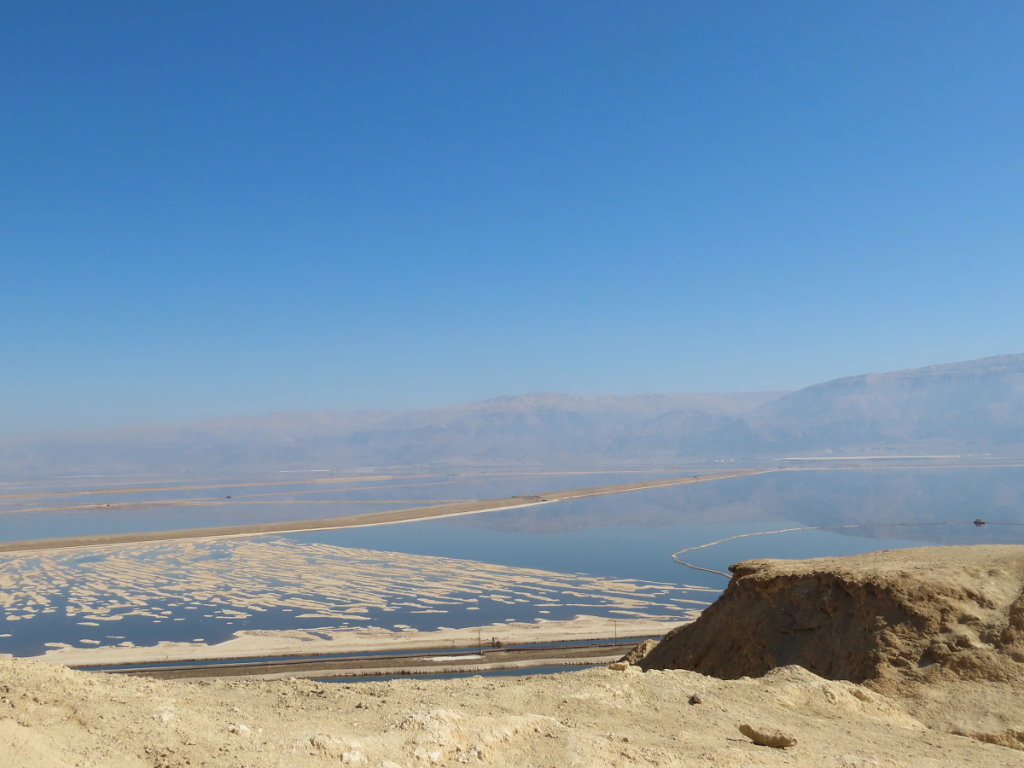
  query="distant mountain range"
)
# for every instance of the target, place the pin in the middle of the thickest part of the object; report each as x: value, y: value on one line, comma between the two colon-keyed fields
x: 974, y: 407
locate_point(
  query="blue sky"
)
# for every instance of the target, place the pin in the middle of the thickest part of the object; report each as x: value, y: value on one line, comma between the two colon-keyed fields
x: 213, y: 209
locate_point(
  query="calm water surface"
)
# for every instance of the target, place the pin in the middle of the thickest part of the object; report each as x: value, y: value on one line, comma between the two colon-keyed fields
x: 81, y: 509
x: 628, y: 536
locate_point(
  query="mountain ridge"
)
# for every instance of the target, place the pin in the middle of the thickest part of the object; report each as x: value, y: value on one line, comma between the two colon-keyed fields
x: 966, y: 407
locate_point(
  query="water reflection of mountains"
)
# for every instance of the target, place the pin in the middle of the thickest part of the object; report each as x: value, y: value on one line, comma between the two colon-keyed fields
x: 810, y: 497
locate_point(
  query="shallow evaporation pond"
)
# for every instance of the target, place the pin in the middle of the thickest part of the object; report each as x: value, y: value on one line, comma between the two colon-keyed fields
x: 221, y: 588
x: 147, y: 593
x: 169, y: 509
x: 633, y: 535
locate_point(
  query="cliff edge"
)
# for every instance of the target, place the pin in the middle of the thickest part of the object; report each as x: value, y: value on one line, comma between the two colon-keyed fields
x: 931, y: 614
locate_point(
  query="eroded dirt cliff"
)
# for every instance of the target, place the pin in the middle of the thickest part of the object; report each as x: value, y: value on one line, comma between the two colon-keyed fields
x: 889, y: 618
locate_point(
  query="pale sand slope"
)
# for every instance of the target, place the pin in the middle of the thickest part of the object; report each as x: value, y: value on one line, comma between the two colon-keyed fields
x: 54, y: 716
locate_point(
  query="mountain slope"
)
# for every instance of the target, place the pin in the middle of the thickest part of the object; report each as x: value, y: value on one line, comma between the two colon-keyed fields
x: 963, y: 406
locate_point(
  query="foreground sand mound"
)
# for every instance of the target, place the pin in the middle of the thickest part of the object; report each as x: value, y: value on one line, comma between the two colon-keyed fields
x: 926, y: 615
x: 52, y: 716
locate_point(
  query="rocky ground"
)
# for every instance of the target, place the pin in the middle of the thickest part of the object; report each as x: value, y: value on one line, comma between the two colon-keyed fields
x: 53, y: 716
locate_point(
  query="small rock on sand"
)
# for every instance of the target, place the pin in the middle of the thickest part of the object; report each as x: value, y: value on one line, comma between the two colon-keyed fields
x: 767, y: 737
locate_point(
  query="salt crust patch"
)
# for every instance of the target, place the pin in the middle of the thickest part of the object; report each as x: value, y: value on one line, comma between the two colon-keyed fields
x: 232, y: 580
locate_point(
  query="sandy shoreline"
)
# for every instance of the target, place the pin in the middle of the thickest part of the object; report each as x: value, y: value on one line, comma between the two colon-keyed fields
x: 371, y: 519
x: 249, y: 644
x: 412, y: 671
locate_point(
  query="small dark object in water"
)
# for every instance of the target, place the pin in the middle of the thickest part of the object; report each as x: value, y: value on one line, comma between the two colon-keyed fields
x: 979, y: 522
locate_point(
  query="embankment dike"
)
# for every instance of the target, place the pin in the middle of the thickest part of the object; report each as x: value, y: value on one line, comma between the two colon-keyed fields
x: 364, y: 520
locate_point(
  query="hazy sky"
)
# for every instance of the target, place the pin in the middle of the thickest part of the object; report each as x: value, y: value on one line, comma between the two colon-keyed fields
x: 218, y: 208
